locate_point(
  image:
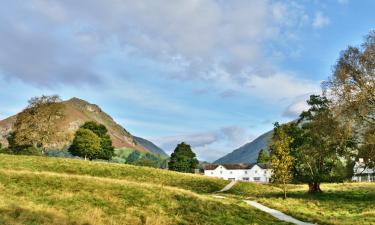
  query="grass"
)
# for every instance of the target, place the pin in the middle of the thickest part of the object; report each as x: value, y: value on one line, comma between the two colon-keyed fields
x: 196, y: 183
x: 41, y: 190
x: 347, y: 203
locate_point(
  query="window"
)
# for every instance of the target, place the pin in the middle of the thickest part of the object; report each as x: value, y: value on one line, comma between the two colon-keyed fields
x: 221, y: 172
x: 256, y: 171
x: 230, y: 172
x: 232, y: 179
x: 245, y: 179
x: 212, y: 173
x: 245, y: 172
x: 265, y: 172
x: 256, y: 178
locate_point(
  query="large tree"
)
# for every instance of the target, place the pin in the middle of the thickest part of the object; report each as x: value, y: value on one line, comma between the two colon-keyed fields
x: 37, y: 125
x: 86, y: 144
x: 183, y: 159
x: 325, y: 143
x: 281, y: 159
x: 107, y: 150
x: 83, y: 137
x: 352, y: 89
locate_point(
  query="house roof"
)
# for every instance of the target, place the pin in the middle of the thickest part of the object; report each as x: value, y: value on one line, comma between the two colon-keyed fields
x: 238, y: 166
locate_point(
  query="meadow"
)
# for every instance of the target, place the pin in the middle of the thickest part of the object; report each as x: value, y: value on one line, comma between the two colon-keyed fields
x: 44, y: 190
x: 342, y: 203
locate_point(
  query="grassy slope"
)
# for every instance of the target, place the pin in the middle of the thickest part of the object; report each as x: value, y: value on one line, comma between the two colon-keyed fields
x: 349, y: 203
x: 37, y: 190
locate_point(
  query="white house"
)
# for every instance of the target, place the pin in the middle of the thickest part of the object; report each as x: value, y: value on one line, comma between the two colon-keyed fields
x: 242, y: 172
x: 362, y: 173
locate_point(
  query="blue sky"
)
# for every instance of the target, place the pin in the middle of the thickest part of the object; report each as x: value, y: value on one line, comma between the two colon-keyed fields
x: 213, y: 73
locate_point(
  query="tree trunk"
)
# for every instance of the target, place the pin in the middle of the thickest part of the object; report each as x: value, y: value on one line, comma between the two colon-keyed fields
x: 284, y: 192
x: 314, y: 187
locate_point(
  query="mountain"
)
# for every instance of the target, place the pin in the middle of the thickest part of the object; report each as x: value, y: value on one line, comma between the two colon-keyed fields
x: 77, y: 112
x: 248, y: 153
x: 150, y: 146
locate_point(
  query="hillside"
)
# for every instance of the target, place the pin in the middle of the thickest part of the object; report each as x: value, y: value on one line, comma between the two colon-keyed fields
x: 247, y: 153
x: 150, y: 146
x: 42, y: 190
x: 77, y: 112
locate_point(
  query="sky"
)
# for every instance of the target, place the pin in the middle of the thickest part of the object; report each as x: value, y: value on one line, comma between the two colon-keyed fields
x: 213, y: 73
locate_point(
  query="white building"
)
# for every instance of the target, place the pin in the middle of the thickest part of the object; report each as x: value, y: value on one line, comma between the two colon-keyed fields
x: 242, y: 172
x: 362, y: 173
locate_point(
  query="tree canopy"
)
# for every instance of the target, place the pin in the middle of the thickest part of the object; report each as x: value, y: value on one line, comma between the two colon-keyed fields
x: 99, y: 132
x: 183, y: 159
x: 86, y: 144
x: 352, y: 89
x: 281, y: 159
x: 37, y: 125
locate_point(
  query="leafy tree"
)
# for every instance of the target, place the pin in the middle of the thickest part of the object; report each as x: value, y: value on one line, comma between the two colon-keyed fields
x: 352, y: 87
x: 323, y: 144
x: 263, y: 156
x: 37, y: 125
x: 281, y: 159
x: 183, y: 159
x: 86, y: 144
x: 106, y: 149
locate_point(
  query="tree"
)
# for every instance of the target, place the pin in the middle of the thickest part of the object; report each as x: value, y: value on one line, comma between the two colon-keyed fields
x: 281, y: 159
x: 106, y: 148
x: 263, y: 156
x: 37, y: 125
x: 323, y: 144
x: 352, y: 89
x: 183, y: 159
x: 86, y: 144
x: 133, y: 157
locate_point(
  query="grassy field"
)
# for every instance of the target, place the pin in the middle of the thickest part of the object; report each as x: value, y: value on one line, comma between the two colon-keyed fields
x: 41, y: 190
x: 347, y: 203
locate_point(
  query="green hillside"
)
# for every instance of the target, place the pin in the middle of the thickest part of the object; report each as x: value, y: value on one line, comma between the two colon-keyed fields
x: 42, y: 190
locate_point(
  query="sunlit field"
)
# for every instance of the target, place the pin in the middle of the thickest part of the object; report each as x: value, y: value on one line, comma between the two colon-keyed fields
x: 41, y: 190
x: 346, y: 203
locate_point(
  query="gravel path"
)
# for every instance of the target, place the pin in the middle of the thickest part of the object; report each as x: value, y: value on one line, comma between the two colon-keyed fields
x: 229, y: 186
x: 275, y: 213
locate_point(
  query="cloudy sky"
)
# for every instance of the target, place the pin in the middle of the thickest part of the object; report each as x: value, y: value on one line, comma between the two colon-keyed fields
x: 213, y: 73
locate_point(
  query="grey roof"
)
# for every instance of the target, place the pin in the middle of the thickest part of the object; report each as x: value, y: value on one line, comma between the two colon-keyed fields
x: 237, y: 166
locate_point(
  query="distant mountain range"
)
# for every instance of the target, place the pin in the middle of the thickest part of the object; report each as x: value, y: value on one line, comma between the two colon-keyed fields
x: 248, y: 153
x: 77, y: 112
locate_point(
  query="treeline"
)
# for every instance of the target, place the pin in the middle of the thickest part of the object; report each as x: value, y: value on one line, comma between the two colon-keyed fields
x: 337, y: 129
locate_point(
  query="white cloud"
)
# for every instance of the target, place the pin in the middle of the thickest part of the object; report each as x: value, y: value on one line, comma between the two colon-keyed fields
x: 320, y: 21
x: 202, y: 34
x: 232, y: 136
x: 280, y: 86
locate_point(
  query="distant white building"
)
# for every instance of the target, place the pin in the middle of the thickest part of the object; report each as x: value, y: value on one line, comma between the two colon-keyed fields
x: 241, y: 172
x: 362, y: 173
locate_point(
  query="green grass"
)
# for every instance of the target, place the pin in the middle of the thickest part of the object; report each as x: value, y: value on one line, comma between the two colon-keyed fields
x: 196, y: 183
x: 41, y: 190
x: 347, y: 203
